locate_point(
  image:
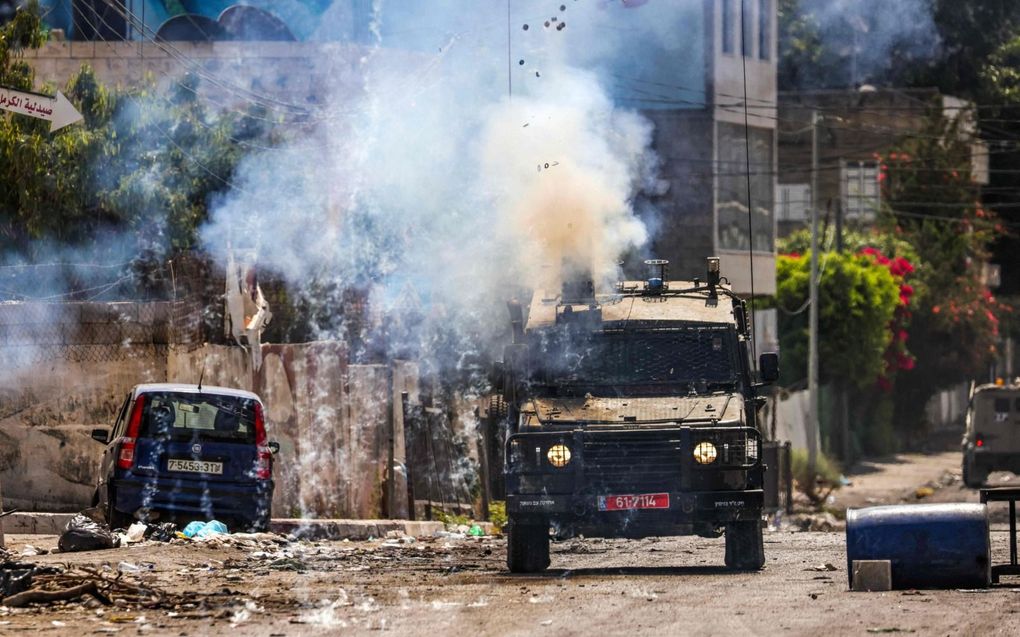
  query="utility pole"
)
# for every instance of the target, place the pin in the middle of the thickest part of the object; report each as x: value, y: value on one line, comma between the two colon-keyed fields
x: 812, y: 423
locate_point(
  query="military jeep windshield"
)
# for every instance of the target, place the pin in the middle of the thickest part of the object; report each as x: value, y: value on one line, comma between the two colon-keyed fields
x: 678, y: 358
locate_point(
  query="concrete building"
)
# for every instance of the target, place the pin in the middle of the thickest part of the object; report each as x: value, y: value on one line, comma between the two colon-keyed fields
x: 703, y: 148
x: 853, y: 126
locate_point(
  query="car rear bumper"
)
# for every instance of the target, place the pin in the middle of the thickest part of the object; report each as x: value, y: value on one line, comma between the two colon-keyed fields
x: 248, y: 501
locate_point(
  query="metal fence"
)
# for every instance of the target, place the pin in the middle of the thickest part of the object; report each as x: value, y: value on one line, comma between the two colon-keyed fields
x: 32, y: 333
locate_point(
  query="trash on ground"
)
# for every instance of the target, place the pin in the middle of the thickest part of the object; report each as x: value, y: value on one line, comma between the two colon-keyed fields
x: 476, y: 531
x: 30, y: 551
x: 821, y: 568
x: 161, y: 532
x: 135, y: 533
x: 199, y: 530
x: 84, y: 534
x: 923, y: 492
x: 46, y: 585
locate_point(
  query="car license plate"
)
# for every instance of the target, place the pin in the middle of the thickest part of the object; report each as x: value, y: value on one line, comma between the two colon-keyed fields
x: 628, y: 502
x: 194, y: 466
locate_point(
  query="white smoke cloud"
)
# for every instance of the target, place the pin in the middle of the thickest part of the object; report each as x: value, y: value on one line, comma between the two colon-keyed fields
x: 434, y: 178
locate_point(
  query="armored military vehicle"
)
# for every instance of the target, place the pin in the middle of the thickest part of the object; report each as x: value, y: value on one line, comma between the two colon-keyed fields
x: 634, y: 413
x: 991, y: 441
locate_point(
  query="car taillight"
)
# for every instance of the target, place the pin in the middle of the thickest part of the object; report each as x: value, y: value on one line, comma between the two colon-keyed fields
x: 126, y: 455
x: 980, y: 442
x: 264, y: 457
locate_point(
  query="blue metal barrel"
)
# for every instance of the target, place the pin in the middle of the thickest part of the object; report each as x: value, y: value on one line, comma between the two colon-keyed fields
x: 929, y: 545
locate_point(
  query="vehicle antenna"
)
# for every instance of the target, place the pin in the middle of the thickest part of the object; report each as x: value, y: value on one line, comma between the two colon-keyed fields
x: 201, y: 376
x: 750, y: 210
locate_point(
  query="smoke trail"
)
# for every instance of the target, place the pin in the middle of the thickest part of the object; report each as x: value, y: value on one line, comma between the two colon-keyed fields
x: 431, y: 179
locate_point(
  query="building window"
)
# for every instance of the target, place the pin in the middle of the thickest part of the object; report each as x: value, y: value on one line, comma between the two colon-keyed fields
x: 727, y: 26
x: 764, y: 29
x: 747, y: 27
x: 794, y: 202
x: 731, y: 192
x: 860, y: 191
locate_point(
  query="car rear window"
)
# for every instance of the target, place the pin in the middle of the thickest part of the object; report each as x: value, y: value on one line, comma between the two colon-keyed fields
x: 187, y: 416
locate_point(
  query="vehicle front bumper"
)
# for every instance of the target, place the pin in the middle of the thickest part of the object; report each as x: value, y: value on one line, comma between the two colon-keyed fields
x: 715, y: 507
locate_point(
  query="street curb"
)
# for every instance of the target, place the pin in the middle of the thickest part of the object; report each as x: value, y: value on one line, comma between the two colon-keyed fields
x: 23, y: 523
x: 352, y: 529
x: 54, y: 523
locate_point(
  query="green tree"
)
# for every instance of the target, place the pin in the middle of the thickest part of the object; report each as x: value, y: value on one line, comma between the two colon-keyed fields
x: 857, y: 303
x: 932, y: 203
x: 143, y: 163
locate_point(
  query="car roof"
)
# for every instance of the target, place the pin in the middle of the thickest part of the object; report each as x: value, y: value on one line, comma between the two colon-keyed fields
x: 184, y: 388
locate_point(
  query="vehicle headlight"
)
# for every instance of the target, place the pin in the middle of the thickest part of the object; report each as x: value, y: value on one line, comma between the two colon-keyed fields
x: 558, y: 455
x: 705, y: 453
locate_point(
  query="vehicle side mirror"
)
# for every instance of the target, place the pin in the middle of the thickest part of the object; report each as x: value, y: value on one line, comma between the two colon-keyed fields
x: 274, y: 447
x: 768, y: 367
x: 101, y: 435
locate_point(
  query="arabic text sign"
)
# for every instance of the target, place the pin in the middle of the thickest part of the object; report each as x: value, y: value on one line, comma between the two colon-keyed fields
x: 57, y: 110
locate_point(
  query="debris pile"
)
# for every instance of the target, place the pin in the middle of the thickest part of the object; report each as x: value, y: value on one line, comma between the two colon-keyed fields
x: 23, y: 584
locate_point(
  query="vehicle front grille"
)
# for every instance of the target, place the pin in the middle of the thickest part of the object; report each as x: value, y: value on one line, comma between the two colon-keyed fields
x: 633, y: 462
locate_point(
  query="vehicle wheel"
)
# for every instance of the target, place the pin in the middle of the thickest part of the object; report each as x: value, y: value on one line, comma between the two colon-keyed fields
x: 494, y: 437
x: 527, y: 548
x: 258, y: 525
x: 118, y: 520
x: 973, y: 476
x: 114, y: 518
x: 745, y: 550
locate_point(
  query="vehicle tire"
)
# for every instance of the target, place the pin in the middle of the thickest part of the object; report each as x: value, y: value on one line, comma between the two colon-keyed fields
x: 974, y: 476
x: 745, y: 550
x: 117, y: 520
x: 114, y: 518
x: 527, y: 548
x: 494, y: 437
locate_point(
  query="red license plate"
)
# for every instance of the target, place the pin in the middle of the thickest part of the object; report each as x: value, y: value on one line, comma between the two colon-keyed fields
x: 628, y: 502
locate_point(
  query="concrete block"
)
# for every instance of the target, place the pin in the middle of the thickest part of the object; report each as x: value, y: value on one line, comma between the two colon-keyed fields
x: 36, y: 523
x: 351, y: 529
x: 872, y: 575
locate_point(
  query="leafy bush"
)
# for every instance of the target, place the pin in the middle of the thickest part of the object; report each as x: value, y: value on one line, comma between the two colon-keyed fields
x: 858, y: 298
x: 497, y: 515
x: 827, y: 472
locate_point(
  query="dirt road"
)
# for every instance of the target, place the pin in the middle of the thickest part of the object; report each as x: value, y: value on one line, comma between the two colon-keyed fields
x: 459, y: 586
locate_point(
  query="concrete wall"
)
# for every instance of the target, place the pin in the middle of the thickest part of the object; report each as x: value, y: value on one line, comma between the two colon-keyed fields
x: 332, y: 420
x: 946, y: 409
x: 65, y: 370
x: 294, y: 74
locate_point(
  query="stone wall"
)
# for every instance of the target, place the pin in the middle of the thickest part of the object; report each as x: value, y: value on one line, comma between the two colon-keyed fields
x: 289, y: 76
x: 332, y: 420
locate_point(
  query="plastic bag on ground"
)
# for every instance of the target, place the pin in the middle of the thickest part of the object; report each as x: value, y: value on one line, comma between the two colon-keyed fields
x: 200, y: 530
x: 84, y: 534
x: 15, y: 578
x: 162, y: 532
x: 136, y: 532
